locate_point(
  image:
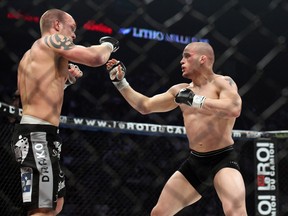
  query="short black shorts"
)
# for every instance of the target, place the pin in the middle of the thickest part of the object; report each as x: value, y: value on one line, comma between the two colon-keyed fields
x: 37, y: 149
x: 200, y: 168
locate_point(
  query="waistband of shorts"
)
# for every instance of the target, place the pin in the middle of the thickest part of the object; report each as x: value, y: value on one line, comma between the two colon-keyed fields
x: 37, y: 128
x: 28, y: 119
x: 212, y: 153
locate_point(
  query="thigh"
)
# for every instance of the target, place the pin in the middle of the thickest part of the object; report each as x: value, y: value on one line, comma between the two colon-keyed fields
x: 176, y: 194
x: 229, y: 184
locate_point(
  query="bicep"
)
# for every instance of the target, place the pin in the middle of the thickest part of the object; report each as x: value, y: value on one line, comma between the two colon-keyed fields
x: 228, y: 104
x: 65, y: 47
x: 162, y: 102
x: 229, y: 95
x: 229, y: 90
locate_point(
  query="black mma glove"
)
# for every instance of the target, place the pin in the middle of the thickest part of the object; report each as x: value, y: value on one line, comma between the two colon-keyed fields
x: 188, y: 97
x: 117, y: 71
x: 111, y: 42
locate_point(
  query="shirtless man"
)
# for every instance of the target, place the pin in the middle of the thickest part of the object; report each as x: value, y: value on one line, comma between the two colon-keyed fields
x: 210, y: 104
x: 43, y: 74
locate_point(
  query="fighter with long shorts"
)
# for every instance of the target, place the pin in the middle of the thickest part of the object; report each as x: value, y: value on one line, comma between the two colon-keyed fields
x: 37, y: 148
x: 42, y: 74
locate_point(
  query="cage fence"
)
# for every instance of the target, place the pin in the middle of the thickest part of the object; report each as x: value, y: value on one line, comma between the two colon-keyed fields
x: 119, y: 168
x: 114, y: 168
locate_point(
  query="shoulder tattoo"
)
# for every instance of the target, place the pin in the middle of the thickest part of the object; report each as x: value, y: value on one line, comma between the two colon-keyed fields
x: 230, y: 81
x: 59, y: 42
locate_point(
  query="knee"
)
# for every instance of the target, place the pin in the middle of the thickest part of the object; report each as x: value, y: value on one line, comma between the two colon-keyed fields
x: 235, y: 212
x: 235, y: 209
x: 42, y: 212
x: 156, y: 211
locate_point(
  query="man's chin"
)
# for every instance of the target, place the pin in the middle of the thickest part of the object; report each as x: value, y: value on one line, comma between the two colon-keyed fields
x: 185, y: 75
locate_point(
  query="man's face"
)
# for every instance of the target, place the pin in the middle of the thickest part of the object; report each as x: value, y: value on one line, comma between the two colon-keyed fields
x: 187, y: 61
x: 68, y: 27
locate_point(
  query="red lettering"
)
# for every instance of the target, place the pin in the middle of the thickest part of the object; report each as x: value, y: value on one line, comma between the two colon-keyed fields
x: 92, y: 26
x: 260, y: 180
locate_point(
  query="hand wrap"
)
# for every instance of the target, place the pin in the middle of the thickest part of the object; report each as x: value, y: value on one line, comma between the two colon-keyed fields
x: 69, y: 82
x: 72, y: 78
x: 115, y: 74
x: 117, y: 71
x: 111, y: 42
x: 188, y: 97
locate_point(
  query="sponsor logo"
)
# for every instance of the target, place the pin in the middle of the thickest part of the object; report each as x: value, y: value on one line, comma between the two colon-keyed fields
x: 21, y: 149
x: 91, y: 25
x: 26, y: 180
x: 159, y: 36
x: 266, y: 174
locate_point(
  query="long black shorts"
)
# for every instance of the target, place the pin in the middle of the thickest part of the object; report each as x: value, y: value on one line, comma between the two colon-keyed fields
x: 37, y: 149
x: 200, y: 168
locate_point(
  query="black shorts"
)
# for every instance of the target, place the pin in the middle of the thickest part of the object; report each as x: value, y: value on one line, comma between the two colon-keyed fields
x: 37, y: 149
x: 200, y: 168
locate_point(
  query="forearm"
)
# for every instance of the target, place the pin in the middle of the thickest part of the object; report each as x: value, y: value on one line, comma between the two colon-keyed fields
x: 107, y: 46
x: 135, y: 99
x: 143, y: 104
x: 223, y: 107
x: 163, y: 102
x: 98, y: 55
x: 93, y: 56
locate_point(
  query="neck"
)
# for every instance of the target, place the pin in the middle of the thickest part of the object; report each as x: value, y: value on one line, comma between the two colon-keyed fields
x: 202, y: 79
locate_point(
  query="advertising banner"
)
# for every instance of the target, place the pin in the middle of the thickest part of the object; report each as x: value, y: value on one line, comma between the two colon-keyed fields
x: 266, y: 192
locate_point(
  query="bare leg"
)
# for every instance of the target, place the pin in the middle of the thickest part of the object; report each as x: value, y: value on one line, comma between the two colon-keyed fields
x: 60, y: 203
x: 42, y: 212
x: 230, y: 188
x: 48, y: 212
x: 176, y: 194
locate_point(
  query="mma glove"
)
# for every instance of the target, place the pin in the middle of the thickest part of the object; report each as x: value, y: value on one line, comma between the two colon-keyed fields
x: 117, y: 71
x: 188, y: 97
x: 69, y: 82
x: 72, y: 78
x: 111, y: 42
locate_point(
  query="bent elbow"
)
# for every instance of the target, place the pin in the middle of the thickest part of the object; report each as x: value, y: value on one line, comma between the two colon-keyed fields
x: 236, y: 113
x: 235, y: 110
x: 144, y: 110
x: 98, y: 61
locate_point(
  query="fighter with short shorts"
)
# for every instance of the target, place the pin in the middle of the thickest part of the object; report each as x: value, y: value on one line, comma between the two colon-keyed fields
x: 210, y: 104
x: 37, y: 148
x: 200, y: 168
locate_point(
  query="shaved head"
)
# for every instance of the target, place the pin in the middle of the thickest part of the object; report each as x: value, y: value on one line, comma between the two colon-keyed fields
x: 203, y: 48
x: 47, y: 19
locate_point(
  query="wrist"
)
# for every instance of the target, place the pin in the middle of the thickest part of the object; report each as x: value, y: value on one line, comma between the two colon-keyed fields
x: 198, y: 101
x: 121, y: 84
x: 108, y: 44
x: 70, y: 81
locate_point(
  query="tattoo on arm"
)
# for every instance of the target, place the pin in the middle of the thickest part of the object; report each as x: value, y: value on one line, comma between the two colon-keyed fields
x: 231, y: 82
x: 59, y: 42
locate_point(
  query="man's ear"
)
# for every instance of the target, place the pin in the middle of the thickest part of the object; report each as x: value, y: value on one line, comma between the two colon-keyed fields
x: 57, y: 25
x: 203, y: 59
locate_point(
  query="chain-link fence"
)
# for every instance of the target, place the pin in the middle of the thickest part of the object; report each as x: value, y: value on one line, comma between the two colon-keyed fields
x: 118, y: 173
x: 249, y: 38
x: 114, y: 173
